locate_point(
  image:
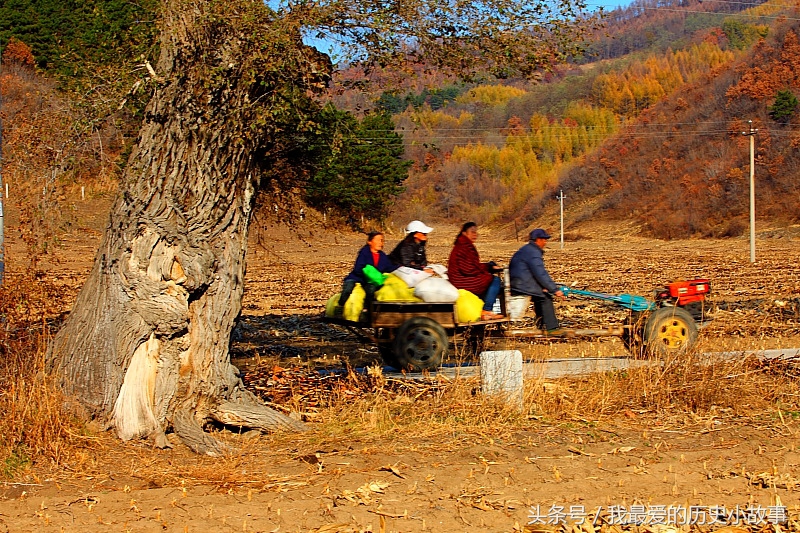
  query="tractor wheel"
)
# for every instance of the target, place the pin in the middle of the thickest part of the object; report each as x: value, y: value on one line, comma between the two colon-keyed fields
x: 420, y: 344
x: 669, y: 330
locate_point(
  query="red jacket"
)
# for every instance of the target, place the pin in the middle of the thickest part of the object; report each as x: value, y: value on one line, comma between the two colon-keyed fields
x: 465, y: 270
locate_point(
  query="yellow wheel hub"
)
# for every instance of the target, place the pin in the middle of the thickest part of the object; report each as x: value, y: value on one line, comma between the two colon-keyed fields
x: 673, y: 333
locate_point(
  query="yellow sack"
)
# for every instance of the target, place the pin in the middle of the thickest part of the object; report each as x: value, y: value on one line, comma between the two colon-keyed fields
x: 468, y: 306
x: 333, y: 301
x: 395, y: 290
x: 355, y: 304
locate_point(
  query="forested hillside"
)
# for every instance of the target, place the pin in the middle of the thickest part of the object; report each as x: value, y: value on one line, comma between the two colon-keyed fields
x: 683, y: 167
x: 645, y: 126
x: 653, y: 136
x: 660, y: 25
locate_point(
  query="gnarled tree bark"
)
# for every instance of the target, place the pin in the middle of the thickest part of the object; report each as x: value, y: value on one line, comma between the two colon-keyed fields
x: 146, y: 346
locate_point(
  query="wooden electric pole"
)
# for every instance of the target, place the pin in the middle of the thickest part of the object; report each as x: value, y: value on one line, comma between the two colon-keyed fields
x: 2, y: 239
x: 561, y: 199
x: 752, y: 134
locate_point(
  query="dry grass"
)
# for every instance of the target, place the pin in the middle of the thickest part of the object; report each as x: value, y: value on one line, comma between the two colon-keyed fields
x: 683, y: 389
x: 34, y: 428
x: 692, y: 383
x: 369, y: 409
x: 440, y: 409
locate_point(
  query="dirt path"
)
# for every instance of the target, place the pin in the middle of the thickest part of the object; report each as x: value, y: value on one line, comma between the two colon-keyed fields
x: 467, y: 484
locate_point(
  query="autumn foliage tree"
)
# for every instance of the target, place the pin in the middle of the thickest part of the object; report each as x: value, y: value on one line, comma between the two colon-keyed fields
x: 18, y: 53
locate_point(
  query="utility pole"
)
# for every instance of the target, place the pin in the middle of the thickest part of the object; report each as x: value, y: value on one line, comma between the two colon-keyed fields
x: 752, y: 134
x: 561, y: 200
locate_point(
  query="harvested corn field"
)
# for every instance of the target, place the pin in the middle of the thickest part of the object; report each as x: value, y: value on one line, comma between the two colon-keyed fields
x: 683, y: 444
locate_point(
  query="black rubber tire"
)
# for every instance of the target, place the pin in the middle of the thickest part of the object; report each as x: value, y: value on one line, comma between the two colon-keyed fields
x: 386, y: 349
x: 420, y: 344
x: 669, y: 330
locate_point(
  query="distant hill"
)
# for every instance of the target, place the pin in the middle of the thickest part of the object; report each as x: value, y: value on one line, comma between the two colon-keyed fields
x: 682, y: 168
x: 659, y: 25
x: 646, y: 127
x: 653, y: 136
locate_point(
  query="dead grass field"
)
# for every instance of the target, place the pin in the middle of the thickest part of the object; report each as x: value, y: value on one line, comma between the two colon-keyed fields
x: 380, y: 456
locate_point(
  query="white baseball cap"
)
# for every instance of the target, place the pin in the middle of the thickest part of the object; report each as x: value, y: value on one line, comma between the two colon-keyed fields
x: 417, y: 226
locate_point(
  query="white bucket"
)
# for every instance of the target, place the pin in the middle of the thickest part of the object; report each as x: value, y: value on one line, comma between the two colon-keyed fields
x: 518, y: 306
x: 501, y: 374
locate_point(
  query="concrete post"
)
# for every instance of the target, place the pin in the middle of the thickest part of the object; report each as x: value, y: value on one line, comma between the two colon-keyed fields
x: 501, y: 374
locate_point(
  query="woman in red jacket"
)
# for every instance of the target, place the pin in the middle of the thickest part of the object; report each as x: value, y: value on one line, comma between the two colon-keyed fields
x: 465, y: 270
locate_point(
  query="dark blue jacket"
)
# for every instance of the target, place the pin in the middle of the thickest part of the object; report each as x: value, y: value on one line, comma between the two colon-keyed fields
x: 365, y: 258
x: 527, y: 272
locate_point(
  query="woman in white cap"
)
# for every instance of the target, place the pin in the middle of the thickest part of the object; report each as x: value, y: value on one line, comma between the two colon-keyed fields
x: 410, y: 252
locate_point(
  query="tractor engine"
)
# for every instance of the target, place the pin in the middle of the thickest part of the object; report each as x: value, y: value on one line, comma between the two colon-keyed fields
x: 691, y: 295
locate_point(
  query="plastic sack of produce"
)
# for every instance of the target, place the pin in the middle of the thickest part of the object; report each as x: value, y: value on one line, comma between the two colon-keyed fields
x: 468, y: 306
x: 395, y: 290
x: 373, y: 275
x: 355, y: 304
x: 330, y: 306
x: 411, y: 276
x: 436, y: 290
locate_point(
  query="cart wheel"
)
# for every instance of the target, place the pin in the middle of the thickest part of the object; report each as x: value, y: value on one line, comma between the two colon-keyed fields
x: 420, y: 344
x: 387, y: 354
x: 669, y: 330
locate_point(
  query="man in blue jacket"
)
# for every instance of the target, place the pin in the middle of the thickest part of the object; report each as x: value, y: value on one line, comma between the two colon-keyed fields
x: 529, y: 276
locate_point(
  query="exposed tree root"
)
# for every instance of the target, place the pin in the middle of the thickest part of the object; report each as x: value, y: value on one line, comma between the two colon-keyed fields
x: 254, y: 415
x: 192, y: 434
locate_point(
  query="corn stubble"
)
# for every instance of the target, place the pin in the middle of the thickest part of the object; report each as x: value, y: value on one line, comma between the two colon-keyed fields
x: 42, y: 428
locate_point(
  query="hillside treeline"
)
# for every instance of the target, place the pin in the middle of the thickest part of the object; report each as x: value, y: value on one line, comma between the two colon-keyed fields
x: 487, y: 153
x: 659, y: 25
x: 623, y: 134
x: 683, y: 168
x: 651, y: 132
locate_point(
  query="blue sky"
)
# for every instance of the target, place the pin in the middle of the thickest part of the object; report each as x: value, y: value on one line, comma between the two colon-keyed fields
x: 326, y: 46
x: 608, y: 5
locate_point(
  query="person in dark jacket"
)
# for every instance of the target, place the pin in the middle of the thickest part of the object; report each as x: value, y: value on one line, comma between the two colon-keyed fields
x: 410, y: 252
x: 529, y: 276
x: 465, y: 270
x: 370, y: 254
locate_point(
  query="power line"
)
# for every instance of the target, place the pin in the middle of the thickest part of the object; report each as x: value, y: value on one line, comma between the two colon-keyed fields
x: 721, y: 123
x: 434, y: 137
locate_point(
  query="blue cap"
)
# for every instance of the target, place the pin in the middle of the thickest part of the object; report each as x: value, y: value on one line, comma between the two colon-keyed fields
x: 538, y: 233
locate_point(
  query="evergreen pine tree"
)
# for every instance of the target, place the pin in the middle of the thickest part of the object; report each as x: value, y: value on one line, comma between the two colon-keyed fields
x: 784, y: 106
x: 364, y: 172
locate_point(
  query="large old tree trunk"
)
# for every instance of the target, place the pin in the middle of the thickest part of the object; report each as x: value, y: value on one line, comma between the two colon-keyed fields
x: 146, y: 346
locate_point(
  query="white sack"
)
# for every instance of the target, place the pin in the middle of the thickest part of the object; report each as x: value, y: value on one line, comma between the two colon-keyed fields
x: 411, y: 276
x: 436, y: 290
